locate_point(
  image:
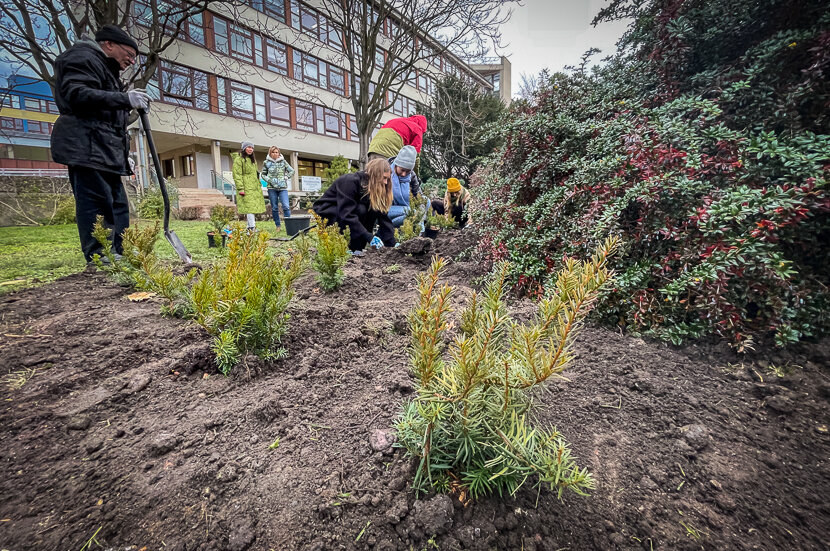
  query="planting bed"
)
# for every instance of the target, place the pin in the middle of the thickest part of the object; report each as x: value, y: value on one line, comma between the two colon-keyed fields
x: 123, y: 426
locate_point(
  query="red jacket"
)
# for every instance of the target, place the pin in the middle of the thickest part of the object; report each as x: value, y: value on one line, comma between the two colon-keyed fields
x: 411, y: 129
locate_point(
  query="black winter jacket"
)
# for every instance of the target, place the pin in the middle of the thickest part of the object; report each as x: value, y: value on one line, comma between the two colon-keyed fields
x: 346, y: 202
x: 91, y: 130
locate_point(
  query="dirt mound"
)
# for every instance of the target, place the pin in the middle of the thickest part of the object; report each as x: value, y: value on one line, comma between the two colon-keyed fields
x: 123, y: 425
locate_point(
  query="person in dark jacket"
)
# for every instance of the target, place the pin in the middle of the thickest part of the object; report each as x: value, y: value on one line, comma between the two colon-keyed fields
x: 358, y: 201
x: 90, y: 135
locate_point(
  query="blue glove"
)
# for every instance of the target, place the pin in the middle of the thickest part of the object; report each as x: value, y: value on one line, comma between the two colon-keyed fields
x: 376, y: 243
x: 397, y: 245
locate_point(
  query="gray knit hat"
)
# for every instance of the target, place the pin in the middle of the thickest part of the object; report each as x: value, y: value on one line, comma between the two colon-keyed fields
x: 246, y: 145
x: 406, y: 157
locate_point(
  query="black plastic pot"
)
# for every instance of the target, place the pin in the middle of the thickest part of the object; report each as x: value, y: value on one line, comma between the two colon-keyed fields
x: 431, y: 232
x: 212, y: 240
x: 296, y: 224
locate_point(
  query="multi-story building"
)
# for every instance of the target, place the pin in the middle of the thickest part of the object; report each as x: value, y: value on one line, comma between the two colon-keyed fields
x: 497, y: 71
x: 271, y: 73
x: 27, y: 111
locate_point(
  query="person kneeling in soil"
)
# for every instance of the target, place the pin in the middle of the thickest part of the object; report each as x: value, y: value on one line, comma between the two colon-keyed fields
x: 456, y: 200
x: 358, y: 201
x: 404, y: 183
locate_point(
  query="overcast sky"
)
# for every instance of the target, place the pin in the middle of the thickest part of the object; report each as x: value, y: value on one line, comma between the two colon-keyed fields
x: 554, y: 33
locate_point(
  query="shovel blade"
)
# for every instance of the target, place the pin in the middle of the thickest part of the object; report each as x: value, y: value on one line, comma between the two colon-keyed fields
x: 178, y: 246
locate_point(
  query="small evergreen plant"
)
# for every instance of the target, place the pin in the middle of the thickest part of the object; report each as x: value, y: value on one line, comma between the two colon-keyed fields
x: 141, y: 268
x: 242, y: 300
x: 332, y: 254
x: 442, y: 221
x: 220, y: 217
x: 411, y: 226
x: 469, y: 423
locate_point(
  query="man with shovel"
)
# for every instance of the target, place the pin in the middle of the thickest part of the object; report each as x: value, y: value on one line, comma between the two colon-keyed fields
x: 90, y: 135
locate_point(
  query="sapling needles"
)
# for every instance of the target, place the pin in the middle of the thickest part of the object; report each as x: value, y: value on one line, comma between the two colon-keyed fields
x: 470, y: 425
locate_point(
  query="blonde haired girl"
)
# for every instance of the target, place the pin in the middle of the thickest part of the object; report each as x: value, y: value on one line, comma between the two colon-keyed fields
x: 358, y: 201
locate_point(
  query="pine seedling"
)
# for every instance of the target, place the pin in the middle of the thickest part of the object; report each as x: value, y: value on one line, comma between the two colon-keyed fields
x: 469, y: 426
x: 411, y: 226
x: 242, y: 300
x: 332, y: 254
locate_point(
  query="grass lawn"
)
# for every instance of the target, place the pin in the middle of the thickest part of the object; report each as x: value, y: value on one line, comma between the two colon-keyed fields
x: 33, y: 255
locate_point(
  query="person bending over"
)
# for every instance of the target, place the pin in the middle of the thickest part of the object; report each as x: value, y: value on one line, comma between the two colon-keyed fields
x: 456, y: 201
x: 358, y: 201
x: 404, y: 182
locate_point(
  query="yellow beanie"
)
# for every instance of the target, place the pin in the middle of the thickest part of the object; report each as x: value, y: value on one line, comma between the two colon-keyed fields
x: 453, y: 185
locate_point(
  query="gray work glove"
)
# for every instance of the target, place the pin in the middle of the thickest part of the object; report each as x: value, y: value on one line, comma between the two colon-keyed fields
x: 139, y: 99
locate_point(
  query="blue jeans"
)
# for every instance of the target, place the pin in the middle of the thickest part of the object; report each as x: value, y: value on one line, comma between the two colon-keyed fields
x: 279, y: 197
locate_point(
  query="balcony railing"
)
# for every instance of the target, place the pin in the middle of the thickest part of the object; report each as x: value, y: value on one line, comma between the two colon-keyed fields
x: 41, y: 172
x: 224, y: 185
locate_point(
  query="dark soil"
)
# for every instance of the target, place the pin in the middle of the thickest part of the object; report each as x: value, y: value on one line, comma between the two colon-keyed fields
x: 125, y: 427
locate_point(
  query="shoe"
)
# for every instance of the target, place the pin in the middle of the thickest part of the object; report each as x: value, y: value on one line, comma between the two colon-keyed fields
x: 105, y: 259
x: 357, y: 253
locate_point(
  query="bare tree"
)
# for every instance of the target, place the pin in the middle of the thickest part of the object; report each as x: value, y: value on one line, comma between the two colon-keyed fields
x: 34, y: 32
x: 410, y: 35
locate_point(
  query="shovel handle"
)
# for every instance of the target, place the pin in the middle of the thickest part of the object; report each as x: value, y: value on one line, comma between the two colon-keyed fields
x: 145, y: 122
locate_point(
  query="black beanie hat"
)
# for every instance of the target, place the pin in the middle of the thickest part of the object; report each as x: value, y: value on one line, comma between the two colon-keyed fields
x: 115, y: 34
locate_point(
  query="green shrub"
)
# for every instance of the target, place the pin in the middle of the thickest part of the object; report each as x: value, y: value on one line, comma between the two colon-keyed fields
x: 411, y: 226
x: 332, y: 254
x: 707, y: 150
x: 151, y: 205
x: 469, y: 424
x: 242, y: 300
x: 221, y: 216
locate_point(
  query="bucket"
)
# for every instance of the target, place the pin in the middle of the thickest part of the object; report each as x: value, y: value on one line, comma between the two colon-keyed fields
x: 296, y: 224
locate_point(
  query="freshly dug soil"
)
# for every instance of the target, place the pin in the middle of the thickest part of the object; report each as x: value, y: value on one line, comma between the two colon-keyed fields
x: 124, y: 431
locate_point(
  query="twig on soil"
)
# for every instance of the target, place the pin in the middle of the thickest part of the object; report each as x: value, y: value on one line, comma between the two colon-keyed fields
x: 373, y: 419
x: 32, y: 336
x: 618, y: 406
x: 357, y: 539
x: 90, y: 541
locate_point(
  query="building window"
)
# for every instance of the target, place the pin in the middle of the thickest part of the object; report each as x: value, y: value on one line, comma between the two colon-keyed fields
x: 184, y: 86
x: 305, y: 116
x: 7, y: 123
x: 188, y: 165
x: 39, y: 127
x: 496, y: 82
x: 306, y: 167
x: 167, y: 168
x: 337, y: 80
x: 279, y: 109
x: 242, y: 100
x: 277, y: 57
x: 333, y: 124
x: 275, y: 8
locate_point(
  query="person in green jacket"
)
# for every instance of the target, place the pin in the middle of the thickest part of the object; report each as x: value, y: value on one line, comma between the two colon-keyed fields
x: 249, y: 199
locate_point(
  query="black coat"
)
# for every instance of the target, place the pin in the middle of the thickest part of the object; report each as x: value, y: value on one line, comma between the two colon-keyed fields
x: 92, y: 128
x: 346, y: 202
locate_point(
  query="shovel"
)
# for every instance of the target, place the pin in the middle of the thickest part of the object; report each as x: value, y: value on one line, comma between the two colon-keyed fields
x: 304, y: 230
x: 171, y: 236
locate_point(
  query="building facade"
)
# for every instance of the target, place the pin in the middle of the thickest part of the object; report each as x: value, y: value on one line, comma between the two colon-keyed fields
x: 271, y: 72
x: 27, y: 112
x: 498, y: 73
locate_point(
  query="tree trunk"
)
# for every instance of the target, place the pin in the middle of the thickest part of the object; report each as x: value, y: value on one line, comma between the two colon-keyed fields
x: 365, y: 137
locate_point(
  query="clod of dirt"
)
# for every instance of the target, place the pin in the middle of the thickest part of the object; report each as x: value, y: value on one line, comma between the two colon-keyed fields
x: 381, y: 440
x: 398, y: 510
x: 139, y: 383
x: 697, y: 436
x: 162, y: 444
x: 781, y: 404
x: 78, y: 422
x: 434, y: 516
x: 242, y: 535
x: 93, y: 445
x: 418, y: 245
